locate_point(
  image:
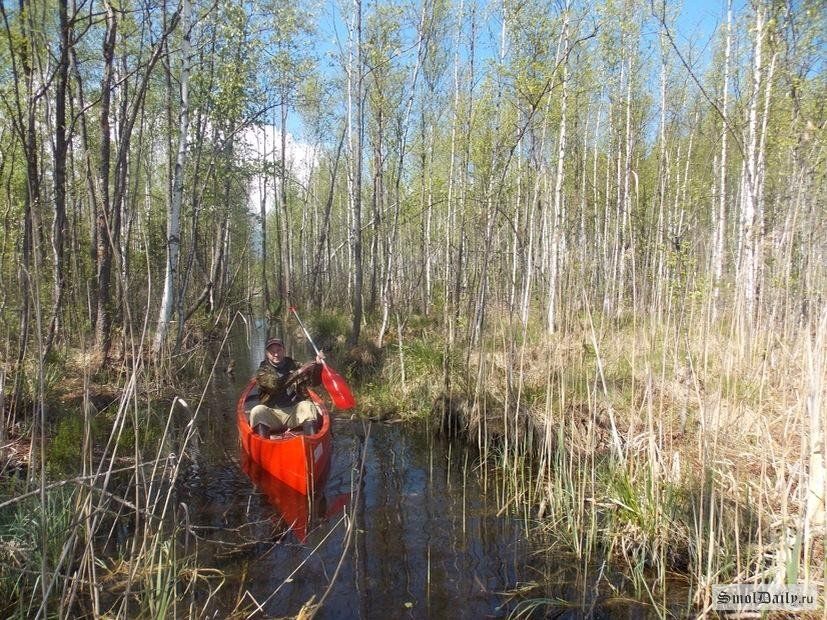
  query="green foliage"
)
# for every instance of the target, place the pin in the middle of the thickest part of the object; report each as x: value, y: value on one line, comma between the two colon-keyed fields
x: 424, y: 357
x: 63, y: 452
x: 328, y: 329
x: 403, y: 380
x: 162, y: 583
x: 24, y: 542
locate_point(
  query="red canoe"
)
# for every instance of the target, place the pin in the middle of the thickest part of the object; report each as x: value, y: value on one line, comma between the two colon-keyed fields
x: 296, y: 511
x: 295, y: 508
x: 300, y: 461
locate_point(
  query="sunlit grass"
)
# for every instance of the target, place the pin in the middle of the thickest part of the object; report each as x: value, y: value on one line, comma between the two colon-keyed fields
x: 664, y: 450
x: 102, y: 536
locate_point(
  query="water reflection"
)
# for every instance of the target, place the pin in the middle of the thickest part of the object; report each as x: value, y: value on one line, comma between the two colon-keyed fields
x: 404, y: 528
x: 294, y: 511
x: 425, y: 540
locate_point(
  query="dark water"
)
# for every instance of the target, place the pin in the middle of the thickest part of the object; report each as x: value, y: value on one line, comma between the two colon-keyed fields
x: 406, y: 527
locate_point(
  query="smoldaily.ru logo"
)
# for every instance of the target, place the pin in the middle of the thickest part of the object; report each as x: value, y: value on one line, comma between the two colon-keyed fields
x: 765, y: 597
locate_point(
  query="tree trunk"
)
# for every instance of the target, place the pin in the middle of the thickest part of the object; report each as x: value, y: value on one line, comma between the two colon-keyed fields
x: 394, y: 234
x: 198, y: 189
x: 425, y: 212
x: 356, y: 185
x: 324, y: 233
x: 285, y: 251
x: 749, y: 183
x: 89, y: 176
x: 60, y: 150
x: 103, y: 321
x: 378, y: 204
x: 558, y: 192
x: 265, y: 286
x: 447, y: 281
x: 24, y: 126
x: 174, y: 214
x: 720, y: 217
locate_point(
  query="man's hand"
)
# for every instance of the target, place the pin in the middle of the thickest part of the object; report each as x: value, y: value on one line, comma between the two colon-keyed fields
x: 301, y: 373
x: 320, y: 357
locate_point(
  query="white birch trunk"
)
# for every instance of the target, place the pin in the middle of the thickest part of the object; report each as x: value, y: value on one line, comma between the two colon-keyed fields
x: 352, y: 155
x: 394, y: 265
x: 515, y: 230
x: 760, y: 167
x: 749, y: 180
x: 449, y: 220
x: 529, y: 268
x: 558, y: 192
x: 174, y: 214
x: 599, y: 231
x: 607, y: 264
x: 429, y: 214
x: 286, y: 228
x: 583, y: 206
x: 720, y: 223
x: 624, y: 202
x: 658, y: 275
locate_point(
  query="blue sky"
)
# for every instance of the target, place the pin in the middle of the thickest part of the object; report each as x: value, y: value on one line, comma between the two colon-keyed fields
x: 694, y: 31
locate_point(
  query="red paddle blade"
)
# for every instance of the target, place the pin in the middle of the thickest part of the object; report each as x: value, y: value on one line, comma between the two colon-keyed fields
x: 337, y: 388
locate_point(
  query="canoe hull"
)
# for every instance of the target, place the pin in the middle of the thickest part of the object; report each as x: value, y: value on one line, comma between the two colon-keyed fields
x: 294, y: 508
x: 302, y: 462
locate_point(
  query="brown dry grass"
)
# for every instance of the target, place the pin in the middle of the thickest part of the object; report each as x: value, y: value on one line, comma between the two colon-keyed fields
x: 692, y: 445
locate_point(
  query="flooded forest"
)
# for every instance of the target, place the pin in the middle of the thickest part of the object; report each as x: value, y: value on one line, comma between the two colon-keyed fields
x: 569, y: 257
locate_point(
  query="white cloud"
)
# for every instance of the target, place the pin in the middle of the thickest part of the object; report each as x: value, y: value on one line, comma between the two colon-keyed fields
x: 265, y: 141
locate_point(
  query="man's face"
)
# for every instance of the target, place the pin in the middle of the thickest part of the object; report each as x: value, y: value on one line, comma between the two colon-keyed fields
x: 275, y: 353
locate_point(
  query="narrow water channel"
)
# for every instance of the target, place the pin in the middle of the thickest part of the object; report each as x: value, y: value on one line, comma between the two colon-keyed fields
x: 405, y: 527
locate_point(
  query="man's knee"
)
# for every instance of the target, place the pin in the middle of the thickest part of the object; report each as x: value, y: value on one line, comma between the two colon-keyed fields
x: 256, y: 413
x: 306, y: 412
x: 262, y: 414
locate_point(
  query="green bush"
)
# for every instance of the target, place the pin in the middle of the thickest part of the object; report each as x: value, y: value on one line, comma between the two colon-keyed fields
x: 22, y: 548
x: 63, y: 451
x: 328, y: 329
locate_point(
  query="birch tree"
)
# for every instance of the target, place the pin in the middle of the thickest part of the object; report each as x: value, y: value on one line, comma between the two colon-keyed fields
x: 720, y: 217
x: 355, y: 141
x: 288, y: 63
x: 173, y: 241
x: 556, y: 225
x: 748, y: 235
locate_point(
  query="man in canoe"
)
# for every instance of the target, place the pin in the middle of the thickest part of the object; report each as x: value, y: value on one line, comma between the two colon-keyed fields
x: 282, y: 385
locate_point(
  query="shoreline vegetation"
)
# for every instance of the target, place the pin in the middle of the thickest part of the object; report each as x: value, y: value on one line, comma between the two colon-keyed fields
x: 672, y: 458
x: 667, y: 450
x: 583, y: 237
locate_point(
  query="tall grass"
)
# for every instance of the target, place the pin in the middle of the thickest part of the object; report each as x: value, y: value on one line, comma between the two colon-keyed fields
x: 664, y: 447
x: 667, y: 449
x: 670, y: 446
x: 102, y: 534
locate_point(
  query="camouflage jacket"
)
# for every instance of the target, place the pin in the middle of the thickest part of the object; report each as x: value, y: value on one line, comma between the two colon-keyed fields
x: 277, y: 387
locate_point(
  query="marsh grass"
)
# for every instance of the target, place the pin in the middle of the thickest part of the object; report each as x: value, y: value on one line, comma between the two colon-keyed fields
x: 674, y: 446
x: 403, y: 381
x: 21, y: 551
x: 661, y: 447
x: 666, y: 450
x: 101, y: 533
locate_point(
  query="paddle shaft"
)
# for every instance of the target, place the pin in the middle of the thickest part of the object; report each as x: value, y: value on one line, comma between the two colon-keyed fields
x: 334, y: 383
x: 306, y: 333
